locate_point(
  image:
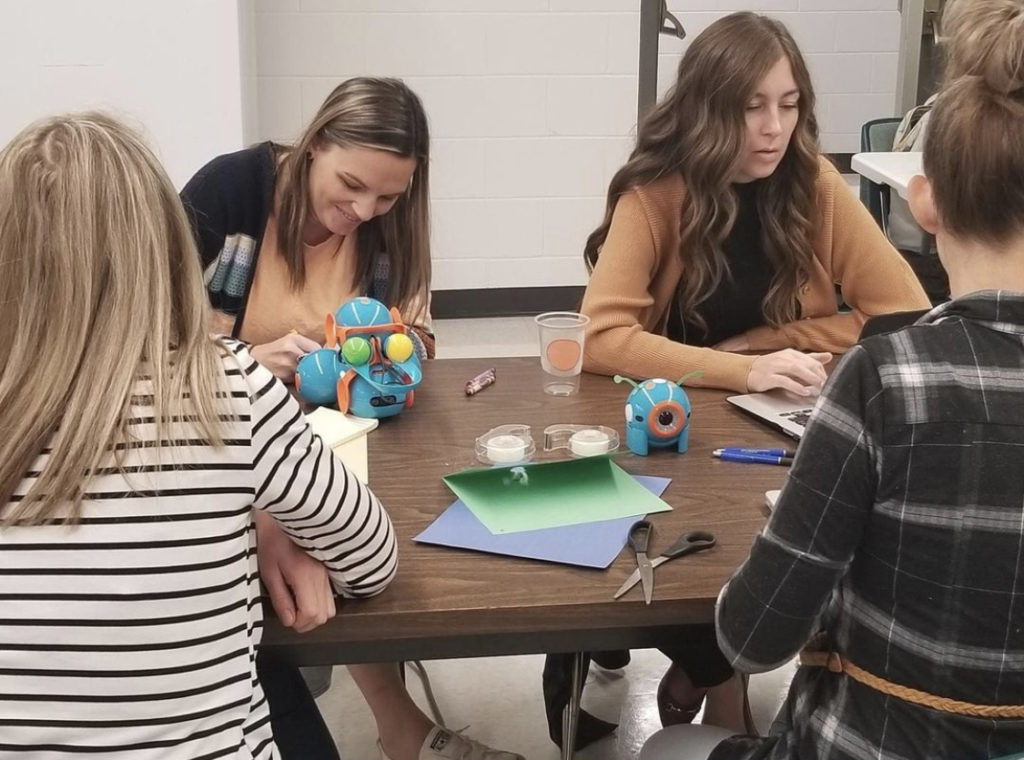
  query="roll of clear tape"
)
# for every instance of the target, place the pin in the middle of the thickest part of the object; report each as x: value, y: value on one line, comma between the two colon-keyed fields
x: 589, y: 442
x: 581, y: 440
x: 507, y: 444
x: 505, y: 449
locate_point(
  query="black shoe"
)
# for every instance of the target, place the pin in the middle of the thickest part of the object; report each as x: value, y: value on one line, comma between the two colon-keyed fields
x: 611, y: 659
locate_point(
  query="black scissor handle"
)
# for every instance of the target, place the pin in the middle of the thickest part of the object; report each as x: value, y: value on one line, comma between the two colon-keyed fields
x: 688, y: 543
x: 640, y: 536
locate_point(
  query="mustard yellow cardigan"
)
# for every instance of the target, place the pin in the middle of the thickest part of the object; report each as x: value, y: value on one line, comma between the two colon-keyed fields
x: 639, y: 269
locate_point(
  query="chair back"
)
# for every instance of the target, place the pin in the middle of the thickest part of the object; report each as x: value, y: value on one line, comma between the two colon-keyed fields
x: 877, y: 135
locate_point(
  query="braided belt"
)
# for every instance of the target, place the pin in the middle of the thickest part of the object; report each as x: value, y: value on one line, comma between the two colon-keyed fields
x: 837, y: 664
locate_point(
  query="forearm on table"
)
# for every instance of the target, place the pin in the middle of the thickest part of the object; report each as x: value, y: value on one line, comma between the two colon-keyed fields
x: 314, y: 498
x: 639, y: 354
x: 834, y: 333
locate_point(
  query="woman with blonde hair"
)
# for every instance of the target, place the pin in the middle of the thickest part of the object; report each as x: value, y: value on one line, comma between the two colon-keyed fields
x: 286, y: 235
x: 134, y: 449
x: 726, y: 232
x: 893, y: 558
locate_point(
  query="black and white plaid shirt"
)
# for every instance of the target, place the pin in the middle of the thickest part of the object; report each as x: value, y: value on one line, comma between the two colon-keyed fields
x: 900, y: 533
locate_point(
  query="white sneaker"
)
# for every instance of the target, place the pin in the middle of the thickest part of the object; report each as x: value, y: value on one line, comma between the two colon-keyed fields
x: 442, y: 744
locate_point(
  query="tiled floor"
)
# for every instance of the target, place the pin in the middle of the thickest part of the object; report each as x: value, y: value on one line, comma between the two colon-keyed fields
x: 498, y: 700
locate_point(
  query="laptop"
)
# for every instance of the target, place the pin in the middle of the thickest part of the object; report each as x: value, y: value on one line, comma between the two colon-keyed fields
x: 789, y: 413
x: 779, y: 409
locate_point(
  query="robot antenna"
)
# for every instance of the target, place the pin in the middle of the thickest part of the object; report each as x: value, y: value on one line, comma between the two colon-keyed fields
x: 690, y: 376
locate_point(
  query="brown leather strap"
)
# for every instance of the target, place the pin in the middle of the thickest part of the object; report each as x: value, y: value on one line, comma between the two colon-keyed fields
x: 837, y: 664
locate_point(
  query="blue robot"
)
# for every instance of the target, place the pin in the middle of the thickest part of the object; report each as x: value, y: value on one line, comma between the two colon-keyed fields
x: 369, y: 365
x: 657, y: 414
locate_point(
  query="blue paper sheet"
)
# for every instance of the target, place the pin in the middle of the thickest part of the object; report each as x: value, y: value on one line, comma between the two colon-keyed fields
x: 594, y: 544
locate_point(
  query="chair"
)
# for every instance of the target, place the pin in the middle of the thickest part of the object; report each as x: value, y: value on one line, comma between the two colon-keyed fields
x: 877, y: 135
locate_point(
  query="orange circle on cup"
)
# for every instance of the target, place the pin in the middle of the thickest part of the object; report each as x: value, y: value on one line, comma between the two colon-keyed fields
x: 563, y: 354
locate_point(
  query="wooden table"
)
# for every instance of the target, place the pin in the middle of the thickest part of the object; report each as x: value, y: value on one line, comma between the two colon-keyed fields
x: 455, y: 603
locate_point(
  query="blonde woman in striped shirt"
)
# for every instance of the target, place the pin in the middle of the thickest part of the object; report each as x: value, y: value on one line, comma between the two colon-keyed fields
x: 133, y: 449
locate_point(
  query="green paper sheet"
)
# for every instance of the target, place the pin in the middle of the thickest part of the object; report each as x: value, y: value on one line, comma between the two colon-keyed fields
x: 552, y: 494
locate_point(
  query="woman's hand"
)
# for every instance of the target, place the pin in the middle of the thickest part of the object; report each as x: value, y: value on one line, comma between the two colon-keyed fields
x: 297, y: 583
x: 789, y: 369
x: 282, y: 356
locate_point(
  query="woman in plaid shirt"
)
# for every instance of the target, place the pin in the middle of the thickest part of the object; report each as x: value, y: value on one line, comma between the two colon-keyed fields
x: 897, y: 547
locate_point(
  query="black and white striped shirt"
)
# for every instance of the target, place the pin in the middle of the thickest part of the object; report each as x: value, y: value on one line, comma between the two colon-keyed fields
x: 133, y: 633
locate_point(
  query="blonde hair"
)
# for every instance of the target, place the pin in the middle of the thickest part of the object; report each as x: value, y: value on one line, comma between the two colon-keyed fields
x: 697, y: 130
x: 101, y: 284
x: 974, y: 155
x: 983, y: 39
x: 382, y: 114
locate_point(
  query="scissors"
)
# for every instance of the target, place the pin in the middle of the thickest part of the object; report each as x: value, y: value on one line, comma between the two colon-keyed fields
x: 639, y: 538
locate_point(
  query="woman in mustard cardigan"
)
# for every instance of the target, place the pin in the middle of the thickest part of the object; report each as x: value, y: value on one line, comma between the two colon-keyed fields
x: 727, y: 232
x: 725, y: 236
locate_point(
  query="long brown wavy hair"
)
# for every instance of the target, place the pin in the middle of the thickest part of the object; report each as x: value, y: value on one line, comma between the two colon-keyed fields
x: 698, y: 129
x: 382, y: 114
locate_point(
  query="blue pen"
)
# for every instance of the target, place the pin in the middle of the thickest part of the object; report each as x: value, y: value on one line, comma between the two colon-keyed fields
x: 765, y: 452
x: 729, y: 456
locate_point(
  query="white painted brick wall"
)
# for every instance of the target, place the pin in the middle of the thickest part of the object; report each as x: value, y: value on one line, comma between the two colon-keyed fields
x: 179, y: 72
x: 532, y: 103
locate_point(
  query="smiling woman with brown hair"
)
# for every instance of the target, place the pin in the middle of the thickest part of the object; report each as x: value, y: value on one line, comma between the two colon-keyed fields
x: 286, y: 235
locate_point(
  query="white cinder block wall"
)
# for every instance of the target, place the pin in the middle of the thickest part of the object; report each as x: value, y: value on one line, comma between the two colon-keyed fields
x: 174, y: 69
x: 532, y: 103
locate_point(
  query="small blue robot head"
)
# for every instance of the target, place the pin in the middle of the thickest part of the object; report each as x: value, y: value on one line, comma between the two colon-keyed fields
x: 363, y: 312
x: 369, y: 367
x: 657, y: 414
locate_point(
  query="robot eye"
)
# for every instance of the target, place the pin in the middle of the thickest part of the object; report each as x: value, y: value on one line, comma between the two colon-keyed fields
x: 356, y: 351
x: 666, y: 419
x: 639, y: 418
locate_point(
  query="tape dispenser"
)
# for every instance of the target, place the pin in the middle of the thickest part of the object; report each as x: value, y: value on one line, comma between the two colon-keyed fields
x: 506, y: 444
x: 581, y: 440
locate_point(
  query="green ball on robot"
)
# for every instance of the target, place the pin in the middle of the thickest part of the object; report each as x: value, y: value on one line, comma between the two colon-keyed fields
x: 356, y: 351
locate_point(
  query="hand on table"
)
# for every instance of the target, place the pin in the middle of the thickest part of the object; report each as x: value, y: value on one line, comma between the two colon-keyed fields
x: 297, y: 583
x: 799, y: 373
x: 282, y: 355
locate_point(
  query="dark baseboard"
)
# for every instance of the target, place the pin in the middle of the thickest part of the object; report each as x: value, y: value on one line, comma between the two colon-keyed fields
x: 504, y: 302
x: 842, y: 161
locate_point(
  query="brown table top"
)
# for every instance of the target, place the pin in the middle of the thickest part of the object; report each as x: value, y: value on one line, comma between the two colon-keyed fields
x: 457, y: 603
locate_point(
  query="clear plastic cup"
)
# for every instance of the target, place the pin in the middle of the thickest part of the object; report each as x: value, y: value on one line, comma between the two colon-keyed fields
x: 561, y: 350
